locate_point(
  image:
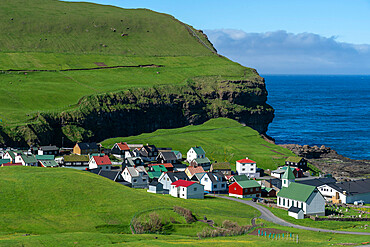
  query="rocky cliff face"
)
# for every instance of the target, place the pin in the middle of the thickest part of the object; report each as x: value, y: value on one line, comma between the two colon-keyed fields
x: 141, y: 110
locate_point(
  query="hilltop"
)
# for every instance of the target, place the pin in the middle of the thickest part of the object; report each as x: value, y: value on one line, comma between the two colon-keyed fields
x: 65, y: 66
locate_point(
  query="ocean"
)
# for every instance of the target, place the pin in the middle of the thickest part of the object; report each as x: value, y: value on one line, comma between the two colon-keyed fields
x: 320, y: 110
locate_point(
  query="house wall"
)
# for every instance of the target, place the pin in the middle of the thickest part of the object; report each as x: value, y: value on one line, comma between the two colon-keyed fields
x: 192, y: 155
x: 298, y: 216
x: 287, y: 203
x: 249, y: 169
x: 166, y: 181
x: 315, y: 204
x: 212, y: 187
x: 7, y: 156
x: 364, y: 196
x: 195, y: 191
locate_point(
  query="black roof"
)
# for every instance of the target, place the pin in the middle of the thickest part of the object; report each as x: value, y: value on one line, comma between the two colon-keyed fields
x: 154, y: 182
x: 88, y: 145
x: 353, y: 187
x: 112, y: 175
x: 168, y: 155
x: 317, y: 181
x: 174, y: 176
x: 276, y: 182
x: 49, y: 148
x: 294, y: 209
x: 179, y: 166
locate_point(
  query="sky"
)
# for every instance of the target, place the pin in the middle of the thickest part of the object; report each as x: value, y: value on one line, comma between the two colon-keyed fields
x: 278, y: 37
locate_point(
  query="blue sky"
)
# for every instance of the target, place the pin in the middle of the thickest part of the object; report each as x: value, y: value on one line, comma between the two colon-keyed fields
x: 287, y: 36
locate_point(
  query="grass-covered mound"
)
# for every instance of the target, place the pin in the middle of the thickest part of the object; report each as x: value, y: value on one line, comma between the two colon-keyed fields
x: 223, y: 140
x: 55, y: 36
x: 61, y: 200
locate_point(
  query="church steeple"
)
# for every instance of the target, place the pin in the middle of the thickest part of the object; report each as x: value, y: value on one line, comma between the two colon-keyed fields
x: 288, y: 177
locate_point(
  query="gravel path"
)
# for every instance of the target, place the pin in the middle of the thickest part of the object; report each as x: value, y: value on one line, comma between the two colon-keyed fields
x: 267, y: 215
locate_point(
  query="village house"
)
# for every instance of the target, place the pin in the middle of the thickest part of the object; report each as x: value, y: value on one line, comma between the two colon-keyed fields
x: 303, y: 196
x: 148, y: 152
x: 100, y: 162
x: 213, y: 182
x: 223, y: 167
x: 167, y: 178
x: 48, y: 150
x: 76, y: 161
x: 121, y: 150
x: 26, y: 160
x: 133, y: 162
x: 155, y: 187
x: 268, y: 192
x: 48, y: 163
x: 84, y: 148
x: 179, y: 167
x: 203, y: 162
x: 245, y: 189
x: 156, y: 171
x: 247, y: 167
x: 137, y: 178
x: 347, y: 192
x: 167, y: 157
x: 187, y: 190
x: 178, y: 154
x: 10, y: 155
x: 297, y: 162
x: 115, y: 176
x: 296, y: 213
x: 191, y: 170
x: 196, y: 152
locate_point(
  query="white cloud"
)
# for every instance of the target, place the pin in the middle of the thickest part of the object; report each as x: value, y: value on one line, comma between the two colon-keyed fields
x: 283, y: 52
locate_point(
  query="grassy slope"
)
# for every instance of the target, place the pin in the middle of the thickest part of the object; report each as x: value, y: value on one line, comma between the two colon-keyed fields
x: 61, y: 200
x: 222, y: 139
x: 54, y: 35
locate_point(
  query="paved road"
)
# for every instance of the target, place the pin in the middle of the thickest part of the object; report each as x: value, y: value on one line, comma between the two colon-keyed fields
x: 267, y: 215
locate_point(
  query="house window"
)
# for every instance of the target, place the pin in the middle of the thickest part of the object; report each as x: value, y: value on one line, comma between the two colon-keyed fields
x: 183, y: 189
x: 223, y: 185
x: 206, y: 179
x: 195, y: 189
x: 144, y: 179
x: 215, y: 186
x: 234, y: 188
x: 243, y: 169
x: 134, y: 180
x: 279, y: 201
x: 283, y: 202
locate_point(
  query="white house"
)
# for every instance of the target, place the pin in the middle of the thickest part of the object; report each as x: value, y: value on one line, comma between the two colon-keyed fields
x: 138, y: 179
x: 196, y: 152
x: 26, y: 160
x: 306, y: 197
x: 213, y: 182
x: 187, y: 190
x: 10, y: 155
x: 347, y: 192
x: 247, y: 167
x: 121, y: 150
x: 101, y: 162
x: 167, y: 178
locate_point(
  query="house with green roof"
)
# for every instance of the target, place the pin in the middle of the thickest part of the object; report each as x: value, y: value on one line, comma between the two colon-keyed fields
x: 245, y: 189
x: 196, y: 152
x: 45, y: 157
x: 156, y: 171
x: 203, y: 162
x: 223, y: 167
x: 80, y: 162
x: 297, y: 162
x: 48, y: 163
x: 10, y: 155
x: 302, y: 196
x: 26, y: 160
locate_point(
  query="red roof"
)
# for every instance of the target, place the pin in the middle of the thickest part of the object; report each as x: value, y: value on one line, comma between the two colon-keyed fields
x: 102, y: 160
x: 182, y: 183
x: 12, y: 164
x: 246, y: 161
x: 123, y: 146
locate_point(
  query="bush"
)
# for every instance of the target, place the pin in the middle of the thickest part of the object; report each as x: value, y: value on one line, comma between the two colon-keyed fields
x: 229, y: 228
x: 152, y: 225
x: 188, y: 215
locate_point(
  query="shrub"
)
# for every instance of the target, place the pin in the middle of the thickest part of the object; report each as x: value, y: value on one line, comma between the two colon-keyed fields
x: 188, y: 215
x: 152, y: 225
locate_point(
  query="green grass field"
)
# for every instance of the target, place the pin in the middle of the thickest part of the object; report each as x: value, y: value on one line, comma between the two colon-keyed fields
x: 222, y: 139
x: 55, y: 35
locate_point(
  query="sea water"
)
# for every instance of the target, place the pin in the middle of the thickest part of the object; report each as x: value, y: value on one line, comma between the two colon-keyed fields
x: 320, y: 110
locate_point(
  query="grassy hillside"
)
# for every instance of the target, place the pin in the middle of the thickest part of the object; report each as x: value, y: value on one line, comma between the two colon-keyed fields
x: 49, y: 201
x: 223, y: 140
x: 55, y: 36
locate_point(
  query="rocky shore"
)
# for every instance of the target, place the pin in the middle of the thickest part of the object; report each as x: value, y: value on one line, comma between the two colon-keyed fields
x: 329, y: 161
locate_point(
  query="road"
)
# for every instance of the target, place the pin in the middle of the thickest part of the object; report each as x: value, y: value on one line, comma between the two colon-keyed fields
x: 267, y: 215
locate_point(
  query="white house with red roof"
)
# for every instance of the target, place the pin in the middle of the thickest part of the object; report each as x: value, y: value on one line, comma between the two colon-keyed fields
x: 121, y: 150
x: 100, y: 162
x: 247, y: 167
x: 187, y: 189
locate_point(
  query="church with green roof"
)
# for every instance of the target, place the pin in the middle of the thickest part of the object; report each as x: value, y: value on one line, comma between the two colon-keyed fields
x: 294, y: 196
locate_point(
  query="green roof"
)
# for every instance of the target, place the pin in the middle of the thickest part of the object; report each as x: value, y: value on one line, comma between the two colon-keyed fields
x: 49, y: 163
x: 199, y: 150
x: 248, y: 184
x: 76, y: 158
x: 288, y: 174
x: 294, y: 159
x: 2, y: 161
x: 176, y: 152
x: 202, y: 160
x: 155, y: 174
x: 266, y: 188
x: 296, y: 191
x: 45, y: 157
x: 11, y: 153
x: 240, y: 178
x: 29, y: 158
x: 159, y: 168
x: 221, y: 166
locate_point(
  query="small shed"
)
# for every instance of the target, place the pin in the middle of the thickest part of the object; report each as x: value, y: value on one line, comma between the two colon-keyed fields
x: 155, y: 187
x: 296, y: 213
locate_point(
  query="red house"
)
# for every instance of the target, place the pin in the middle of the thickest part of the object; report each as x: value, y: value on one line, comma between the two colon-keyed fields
x: 245, y: 189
